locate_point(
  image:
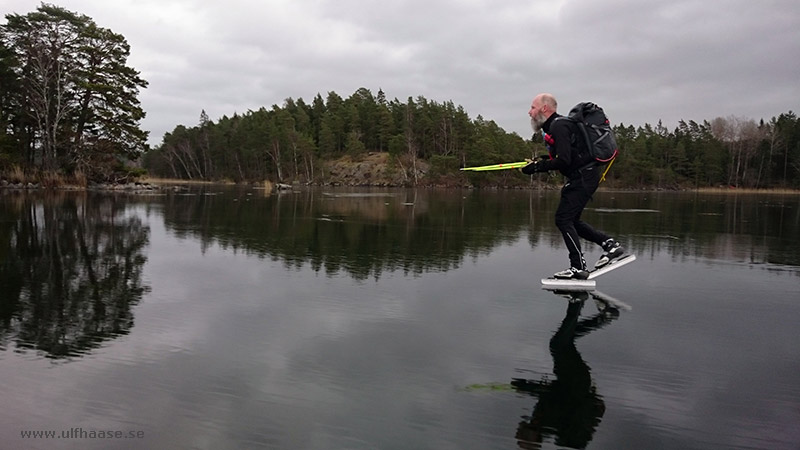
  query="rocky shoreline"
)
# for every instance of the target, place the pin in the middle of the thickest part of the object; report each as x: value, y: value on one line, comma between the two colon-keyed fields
x: 374, y: 169
x: 127, y: 187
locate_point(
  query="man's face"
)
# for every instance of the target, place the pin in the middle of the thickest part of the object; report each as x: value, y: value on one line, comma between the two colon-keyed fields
x: 537, y: 116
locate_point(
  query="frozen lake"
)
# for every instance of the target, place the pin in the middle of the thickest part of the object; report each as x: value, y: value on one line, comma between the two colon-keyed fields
x: 326, y: 319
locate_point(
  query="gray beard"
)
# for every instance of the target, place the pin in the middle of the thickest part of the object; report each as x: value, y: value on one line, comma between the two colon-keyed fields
x: 537, y: 122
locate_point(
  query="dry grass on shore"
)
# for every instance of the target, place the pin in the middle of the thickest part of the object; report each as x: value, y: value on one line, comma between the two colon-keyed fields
x: 728, y: 190
x: 52, y: 179
x: 46, y: 178
x: 266, y: 184
x: 157, y: 180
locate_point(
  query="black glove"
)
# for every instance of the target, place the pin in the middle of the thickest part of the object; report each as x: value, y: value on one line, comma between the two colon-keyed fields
x: 531, y: 168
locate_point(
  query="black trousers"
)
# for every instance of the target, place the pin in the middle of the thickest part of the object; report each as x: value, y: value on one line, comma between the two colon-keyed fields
x: 575, y: 194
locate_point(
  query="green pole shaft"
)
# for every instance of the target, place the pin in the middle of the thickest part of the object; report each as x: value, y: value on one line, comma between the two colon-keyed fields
x: 502, y: 166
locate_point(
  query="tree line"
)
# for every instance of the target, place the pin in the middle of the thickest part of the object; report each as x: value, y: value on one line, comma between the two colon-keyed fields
x: 289, y: 142
x: 68, y: 100
x: 727, y: 151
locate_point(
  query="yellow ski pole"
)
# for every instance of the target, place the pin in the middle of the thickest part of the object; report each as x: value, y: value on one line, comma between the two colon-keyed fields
x: 502, y: 166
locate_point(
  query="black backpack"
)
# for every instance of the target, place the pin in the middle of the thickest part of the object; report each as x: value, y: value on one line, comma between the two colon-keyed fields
x: 596, y: 130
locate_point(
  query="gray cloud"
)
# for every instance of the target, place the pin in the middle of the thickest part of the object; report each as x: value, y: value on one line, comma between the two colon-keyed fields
x: 644, y: 61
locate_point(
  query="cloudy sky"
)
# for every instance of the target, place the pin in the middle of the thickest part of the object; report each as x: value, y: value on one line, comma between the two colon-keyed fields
x: 642, y: 60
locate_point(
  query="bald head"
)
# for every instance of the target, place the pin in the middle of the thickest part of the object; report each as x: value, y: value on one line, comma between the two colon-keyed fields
x: 548, y: 100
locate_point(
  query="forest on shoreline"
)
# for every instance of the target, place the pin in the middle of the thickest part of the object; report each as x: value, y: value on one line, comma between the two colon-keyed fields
x: 428, y: 141
x: 70, y: 114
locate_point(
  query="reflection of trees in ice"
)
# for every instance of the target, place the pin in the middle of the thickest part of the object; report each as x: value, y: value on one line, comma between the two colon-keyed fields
x: 361, y: 234
x: 70, y: 274
x: 368, y: 233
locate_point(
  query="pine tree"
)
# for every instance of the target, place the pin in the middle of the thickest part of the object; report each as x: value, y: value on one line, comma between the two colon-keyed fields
x: 74, y: 86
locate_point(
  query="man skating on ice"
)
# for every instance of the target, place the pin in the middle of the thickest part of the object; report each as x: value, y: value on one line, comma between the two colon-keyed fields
x: 570, y: 156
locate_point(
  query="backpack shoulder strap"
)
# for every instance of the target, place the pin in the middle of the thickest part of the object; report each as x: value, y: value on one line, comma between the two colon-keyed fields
x: 584, y: 135
x: 565, y: 118
x: 568, y: 120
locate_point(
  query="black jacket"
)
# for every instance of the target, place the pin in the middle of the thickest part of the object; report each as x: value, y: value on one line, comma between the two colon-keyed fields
x: 568, y: 153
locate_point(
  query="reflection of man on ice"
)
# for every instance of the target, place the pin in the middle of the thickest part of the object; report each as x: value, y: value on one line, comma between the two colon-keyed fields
x: 569, y: 408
